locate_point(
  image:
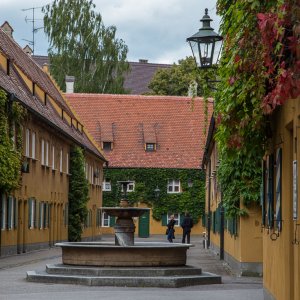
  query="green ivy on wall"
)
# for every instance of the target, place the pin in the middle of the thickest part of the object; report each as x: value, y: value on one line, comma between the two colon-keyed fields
x: 78, y: 194
x: 257, y: 71
x: 12, y: 115
x: 192, y: 199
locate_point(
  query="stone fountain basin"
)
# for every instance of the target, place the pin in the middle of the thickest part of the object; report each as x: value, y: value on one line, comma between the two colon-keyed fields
x: 125, y: 212
x: 153, y: 254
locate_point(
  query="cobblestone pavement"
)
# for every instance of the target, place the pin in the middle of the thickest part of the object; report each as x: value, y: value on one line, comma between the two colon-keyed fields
x: 13, y: 285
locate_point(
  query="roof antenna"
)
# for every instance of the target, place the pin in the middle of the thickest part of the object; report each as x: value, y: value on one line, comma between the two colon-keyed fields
x: 34, y: 29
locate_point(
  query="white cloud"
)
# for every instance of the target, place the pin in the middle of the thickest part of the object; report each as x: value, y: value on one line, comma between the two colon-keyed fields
x: 153, y: 29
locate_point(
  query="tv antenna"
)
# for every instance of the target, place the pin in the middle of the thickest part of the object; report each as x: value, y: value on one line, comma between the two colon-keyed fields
x: 34, y: 29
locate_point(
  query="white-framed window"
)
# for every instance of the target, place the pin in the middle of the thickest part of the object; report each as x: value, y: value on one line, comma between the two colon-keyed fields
x: 105, y: 220
x: 150, y: 147
x: 67, y: 163
x: 32, y: 213
x: 53, y: 157
x: 86, y: 171
x: 106, y: 185
x: 47, y: 154
x: 176, y: 218
x: 92, y: 175
x: 42, y: 152
x: 61, y: 160
x: 130, y: 187
x: 27, y: 142
x: 173, y: 186
x: 42, y: 215
x: 9, y: 212
x: 33, y: 145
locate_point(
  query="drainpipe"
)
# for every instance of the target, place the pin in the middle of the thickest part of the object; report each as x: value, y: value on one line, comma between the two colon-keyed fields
x: 208, y: 204
x: 222, y: 228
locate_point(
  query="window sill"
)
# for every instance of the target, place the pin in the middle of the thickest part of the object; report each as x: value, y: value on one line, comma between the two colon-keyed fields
x: 34, y: 159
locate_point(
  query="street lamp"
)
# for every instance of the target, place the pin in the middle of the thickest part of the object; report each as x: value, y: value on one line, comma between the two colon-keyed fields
x: 206, y: 42
x: 157, y: 192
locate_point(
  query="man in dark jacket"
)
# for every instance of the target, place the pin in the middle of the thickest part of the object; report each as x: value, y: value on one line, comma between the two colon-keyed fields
x: 186, y: 225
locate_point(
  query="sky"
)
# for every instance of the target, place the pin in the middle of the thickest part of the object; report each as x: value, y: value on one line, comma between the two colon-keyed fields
x: 155, y: 30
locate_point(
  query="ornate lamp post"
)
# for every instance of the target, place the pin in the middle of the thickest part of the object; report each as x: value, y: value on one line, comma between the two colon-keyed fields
x: 206, y: 47
x: 205, y: 44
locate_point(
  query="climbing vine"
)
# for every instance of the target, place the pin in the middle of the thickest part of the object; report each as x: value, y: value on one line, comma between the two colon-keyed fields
x: 259, y: 71
x: 147, y: 180
x: 78, y: 195
x: 12, y: 115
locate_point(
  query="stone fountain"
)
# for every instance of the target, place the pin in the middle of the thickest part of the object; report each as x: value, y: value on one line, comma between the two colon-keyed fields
x: 124, y: 262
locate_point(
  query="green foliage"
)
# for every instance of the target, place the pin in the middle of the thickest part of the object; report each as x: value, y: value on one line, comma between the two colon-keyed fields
x: 175, y: 81
x: 81, y: 46
x: 255, y: 78
x: 78, y: 195
x: 11, y: 117
x: 192, y: 199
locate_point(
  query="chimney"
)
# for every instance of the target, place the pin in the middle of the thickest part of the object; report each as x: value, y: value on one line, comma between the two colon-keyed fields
x: 143, y: 61
x: 70, y: 84
x: 27, y: 50
x: 7, y: 29
x: 46, y: 67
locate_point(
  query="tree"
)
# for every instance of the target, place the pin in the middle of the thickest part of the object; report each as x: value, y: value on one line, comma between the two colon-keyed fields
x: 81, y: 46
x: 78, y: 195
x: 177, y: 80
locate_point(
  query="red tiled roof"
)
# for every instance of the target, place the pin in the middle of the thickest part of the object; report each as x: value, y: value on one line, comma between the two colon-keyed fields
x: 176, y: 123
x: 14, y: 84
x: 136, y: 81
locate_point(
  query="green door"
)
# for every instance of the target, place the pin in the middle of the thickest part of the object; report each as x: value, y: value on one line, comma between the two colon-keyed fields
x: 144, y: 225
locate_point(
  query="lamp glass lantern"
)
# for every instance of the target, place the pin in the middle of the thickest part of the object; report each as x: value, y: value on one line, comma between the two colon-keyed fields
x: 157, y: 192
x: 206, y: 44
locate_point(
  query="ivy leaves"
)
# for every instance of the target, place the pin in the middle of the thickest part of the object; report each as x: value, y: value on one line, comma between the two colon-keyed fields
x: 11, y: 117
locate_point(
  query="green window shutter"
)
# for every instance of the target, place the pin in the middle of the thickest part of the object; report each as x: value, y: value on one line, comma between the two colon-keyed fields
x: 164, y: 220
x: 112, y: 221
x: 15, y: 213
x: 29, y: 212
x: 40, y: 221
x: 10, y: 212
x: 204, y: 220
x: 36, y: 214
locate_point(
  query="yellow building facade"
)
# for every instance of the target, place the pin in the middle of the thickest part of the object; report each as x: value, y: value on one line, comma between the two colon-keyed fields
x: 35, y: 215
x: 281, y: 239
x: 239, y: 240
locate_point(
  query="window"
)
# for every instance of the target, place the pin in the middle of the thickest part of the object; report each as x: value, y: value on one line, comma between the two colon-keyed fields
x: 130, y: 187
x: 9, y: 212
x: 42, y: 152
x: 27, y: 143
x: 106, y: 185
x: 105, y: 220
x: 107, y: 146
x: 150, y: 147
x: 61, y: 161
x: 47, y: 154
x: 53, y: 158
x: 67, y: 163
x: 33, y: 145
x: 173, y: 186
x: 98, y: 217
x: 176, y: 218
x: 13, y: 134
x: 32, y: 213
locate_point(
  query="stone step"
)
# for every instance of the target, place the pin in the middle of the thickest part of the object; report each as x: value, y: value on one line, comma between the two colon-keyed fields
x: 122, y: 281
x: 122, y: 271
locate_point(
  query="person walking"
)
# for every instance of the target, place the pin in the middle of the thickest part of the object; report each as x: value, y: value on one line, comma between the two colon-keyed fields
x: 170, y: 229
x: 187, y: 224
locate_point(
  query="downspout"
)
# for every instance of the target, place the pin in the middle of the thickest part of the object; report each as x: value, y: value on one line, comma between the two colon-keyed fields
x: 222, y: 227
x: 208, y: 204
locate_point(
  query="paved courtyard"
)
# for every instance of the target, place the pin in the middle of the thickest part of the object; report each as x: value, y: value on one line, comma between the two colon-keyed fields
x: 13, y: 285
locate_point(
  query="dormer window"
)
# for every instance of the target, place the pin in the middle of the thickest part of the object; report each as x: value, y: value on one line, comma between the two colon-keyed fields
x: 150, y: 147
x: 107, y: 146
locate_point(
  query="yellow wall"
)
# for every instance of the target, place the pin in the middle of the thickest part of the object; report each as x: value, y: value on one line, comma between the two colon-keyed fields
x: 49, y: 185
x: 246, y: 246
x: 281, y: 257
